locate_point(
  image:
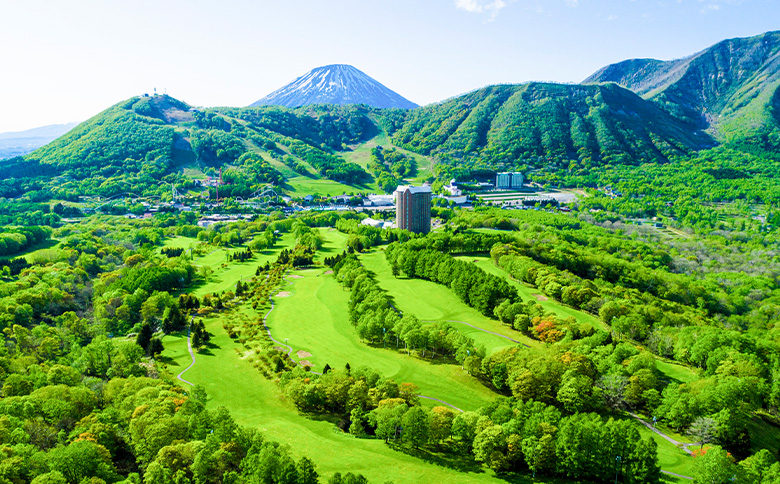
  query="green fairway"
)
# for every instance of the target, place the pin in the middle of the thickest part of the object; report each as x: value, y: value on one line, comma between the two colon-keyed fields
x: 314, y: 319
x: 335, y: 243
x: 670, y: 458
x: 526, y: 292
x: 675, y: 372
x: 254, y: 401
x: 433, y: 302
x: 227, y: 274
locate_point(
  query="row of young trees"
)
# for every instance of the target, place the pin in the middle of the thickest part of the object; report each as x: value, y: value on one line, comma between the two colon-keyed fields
x: 471, y: 284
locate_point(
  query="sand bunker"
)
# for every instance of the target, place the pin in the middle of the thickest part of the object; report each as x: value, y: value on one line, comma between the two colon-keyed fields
x: 540, y: 297
x: 303, y: 354
x: 295, y: 276
x: 306, y: 363
x: 327, y: 272
x: 283, y: 294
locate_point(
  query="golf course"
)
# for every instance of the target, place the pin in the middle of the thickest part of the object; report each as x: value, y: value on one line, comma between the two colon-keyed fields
x: 309, y: 313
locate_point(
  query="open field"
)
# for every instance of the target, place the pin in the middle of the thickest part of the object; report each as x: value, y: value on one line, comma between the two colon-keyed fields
x: 29, y: 254
x: 226, y: 276
x: 301, y: 186
x: 361, y: 154
x: 672, y: 371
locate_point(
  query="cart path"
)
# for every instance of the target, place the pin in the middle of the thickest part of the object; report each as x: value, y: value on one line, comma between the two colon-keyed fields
x: 478, y: 329
x: 192, y: 355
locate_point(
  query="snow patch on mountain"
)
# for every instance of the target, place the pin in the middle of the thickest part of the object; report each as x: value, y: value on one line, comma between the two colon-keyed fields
x: 335, y: 84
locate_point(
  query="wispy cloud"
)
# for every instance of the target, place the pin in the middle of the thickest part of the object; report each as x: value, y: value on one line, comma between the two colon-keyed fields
x: 573, y: 3
x: 481, y: 6
x: 715, y: 5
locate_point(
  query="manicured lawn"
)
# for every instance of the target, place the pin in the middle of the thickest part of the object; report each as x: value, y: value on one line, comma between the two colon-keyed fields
x: 301, y: 186
x: 433, y: 302
x: 314, y: 319
x: 676, y: 373
x: 764, y: 435
x: 46, y: 245
x: 530, y: 293
x: 254, y: 401
x: 670, y: 458
x: 227, y: 274
x: 335, y: 243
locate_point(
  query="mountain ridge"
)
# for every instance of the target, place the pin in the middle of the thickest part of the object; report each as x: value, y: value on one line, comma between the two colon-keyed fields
x: 335, y: 84
x: 726, y: 88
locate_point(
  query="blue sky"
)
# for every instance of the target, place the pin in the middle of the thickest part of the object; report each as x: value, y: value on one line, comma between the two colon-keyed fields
x: 66, y: 60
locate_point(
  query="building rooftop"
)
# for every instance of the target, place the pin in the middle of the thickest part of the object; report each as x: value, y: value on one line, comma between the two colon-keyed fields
x: 413, y: 189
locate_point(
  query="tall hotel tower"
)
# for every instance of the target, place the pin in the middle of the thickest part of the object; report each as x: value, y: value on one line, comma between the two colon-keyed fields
x: 413, y: 208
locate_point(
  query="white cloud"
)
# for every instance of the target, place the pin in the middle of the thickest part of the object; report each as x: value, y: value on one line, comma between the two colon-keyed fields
x: 469, y: 5
x: 573, y: 3
x: 481, y: 6
x: 611, y: 18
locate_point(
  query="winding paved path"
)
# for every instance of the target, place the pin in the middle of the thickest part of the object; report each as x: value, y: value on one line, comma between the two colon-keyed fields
x: 192, y: 355
x: 683, y: 445
x: 676, y: 443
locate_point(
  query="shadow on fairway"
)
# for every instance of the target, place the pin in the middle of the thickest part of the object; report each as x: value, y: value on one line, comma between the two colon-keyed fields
x: 459, y: 463
x: 167, y: 360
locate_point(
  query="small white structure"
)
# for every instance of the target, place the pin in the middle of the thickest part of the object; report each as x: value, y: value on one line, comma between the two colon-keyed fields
x: 453, y: 189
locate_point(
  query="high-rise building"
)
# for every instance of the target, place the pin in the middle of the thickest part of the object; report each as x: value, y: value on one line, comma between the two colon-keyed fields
x: 509, y: 181
x: 413, y: 208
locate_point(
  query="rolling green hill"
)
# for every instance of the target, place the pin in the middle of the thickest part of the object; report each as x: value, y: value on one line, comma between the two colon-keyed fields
x: 136, y: 145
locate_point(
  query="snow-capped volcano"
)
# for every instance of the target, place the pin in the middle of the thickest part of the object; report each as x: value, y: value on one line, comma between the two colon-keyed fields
x: 335, y: 84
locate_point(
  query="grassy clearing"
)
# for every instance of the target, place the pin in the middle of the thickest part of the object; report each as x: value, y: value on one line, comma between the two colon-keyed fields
x: 764, y: 435
x: 29, y: 254
x: 361, y: 154
x: 335, y: 243
x: 670, y: 458
x: 315, y: 318
x: 676, y: 373
x: 430, y: 301
x: 227, y: 274
x: 301, y: 186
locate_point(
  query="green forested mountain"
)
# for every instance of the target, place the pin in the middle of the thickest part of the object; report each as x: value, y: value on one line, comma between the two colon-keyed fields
x: 732, y: 87
x: 542, y: 124
x: 628, y: 114
x: 135, y: 145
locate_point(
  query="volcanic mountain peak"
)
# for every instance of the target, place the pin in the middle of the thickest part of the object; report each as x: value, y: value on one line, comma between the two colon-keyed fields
x: 335, y: 84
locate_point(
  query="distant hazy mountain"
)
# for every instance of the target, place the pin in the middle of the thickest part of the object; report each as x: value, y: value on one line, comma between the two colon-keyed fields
x: 732, y: 87
x: 18, y: 143
x: 335, y: 84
